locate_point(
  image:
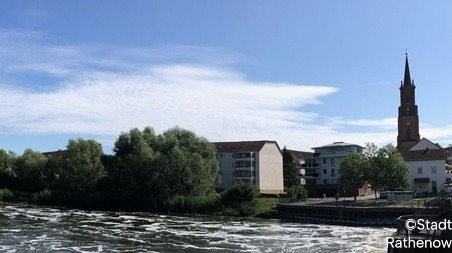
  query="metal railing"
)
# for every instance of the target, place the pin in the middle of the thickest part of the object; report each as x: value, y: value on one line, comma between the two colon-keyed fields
x: 427, y: 214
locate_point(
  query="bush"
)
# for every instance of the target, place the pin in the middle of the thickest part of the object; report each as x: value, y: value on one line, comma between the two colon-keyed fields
x: 238, y: 194
x: 6, y: 194
x: 300, y: 192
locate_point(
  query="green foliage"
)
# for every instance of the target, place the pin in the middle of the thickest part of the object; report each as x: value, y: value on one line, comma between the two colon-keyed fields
x: 29, y: 169
x: 289, y: 171
x: 239, y: 194
x: 352, y: 171
x: 4, y: 168
x: 189, y: 163
x: 193, y: 204
x: 175, y: 163
x: 6, y: 194
x: 6, y: 179
x: 388, y: 171
x: 81, y: 165
x: 300, y: 192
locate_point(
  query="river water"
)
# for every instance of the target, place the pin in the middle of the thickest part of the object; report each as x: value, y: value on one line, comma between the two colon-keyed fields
x: 28, y: 228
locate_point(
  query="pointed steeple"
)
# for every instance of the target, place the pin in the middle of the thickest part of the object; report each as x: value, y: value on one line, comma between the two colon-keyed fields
x: 407, y: 79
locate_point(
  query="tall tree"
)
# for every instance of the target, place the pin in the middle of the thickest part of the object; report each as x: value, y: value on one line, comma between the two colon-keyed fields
x: 388, y: 171
x: 352, y: 171
x: 29, y: 169
x: 5, y: 170
x: 3, y: 161
x: 289, y: 171
x: 82, y: 167
x: 190, y: 163
x: 135, y: 169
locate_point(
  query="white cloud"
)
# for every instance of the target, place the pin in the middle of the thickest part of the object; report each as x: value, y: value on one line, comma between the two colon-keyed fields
x: 215, y: 102
x: 103, y: 90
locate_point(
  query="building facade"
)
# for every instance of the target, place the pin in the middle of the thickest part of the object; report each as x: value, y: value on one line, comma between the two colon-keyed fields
x: 322, y: 169
x: 258, y: 162
x: 427, y: 161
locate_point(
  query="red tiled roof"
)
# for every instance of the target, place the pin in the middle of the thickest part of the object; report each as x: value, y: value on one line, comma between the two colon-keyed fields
x: 424, y: 155
x: 300, y: 154
x: 55, y: 154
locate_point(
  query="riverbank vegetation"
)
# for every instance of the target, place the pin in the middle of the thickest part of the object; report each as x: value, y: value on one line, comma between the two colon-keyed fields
x: 175, y: 171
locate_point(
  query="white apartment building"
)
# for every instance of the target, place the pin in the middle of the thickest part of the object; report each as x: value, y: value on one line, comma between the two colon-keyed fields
x: 258, y: 162
x: 322, y: 169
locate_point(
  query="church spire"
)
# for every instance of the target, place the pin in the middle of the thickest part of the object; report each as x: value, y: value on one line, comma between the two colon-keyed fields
x: 407, y: 79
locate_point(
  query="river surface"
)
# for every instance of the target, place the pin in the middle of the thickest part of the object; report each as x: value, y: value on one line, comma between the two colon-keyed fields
x: 28, y: 228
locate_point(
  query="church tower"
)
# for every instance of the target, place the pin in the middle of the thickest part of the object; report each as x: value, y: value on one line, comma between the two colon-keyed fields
x: 408, y: 120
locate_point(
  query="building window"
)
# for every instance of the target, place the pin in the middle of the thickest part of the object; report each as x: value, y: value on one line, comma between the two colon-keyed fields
x: 221, y: 155
x: 233, y: 155
x: 325, y: 181
x: 419, y: 170
x: 333, y: 172
x: 324, y: 171
x: 433, y: 170
x: 324, y: 161
x: 433, y: 184
x: 333, y: 162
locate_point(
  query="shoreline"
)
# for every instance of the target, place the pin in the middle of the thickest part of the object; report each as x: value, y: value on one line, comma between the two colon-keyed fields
x: 345, y: 215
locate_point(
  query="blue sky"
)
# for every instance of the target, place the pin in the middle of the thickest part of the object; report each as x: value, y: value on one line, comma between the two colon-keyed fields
x: 303, y: 73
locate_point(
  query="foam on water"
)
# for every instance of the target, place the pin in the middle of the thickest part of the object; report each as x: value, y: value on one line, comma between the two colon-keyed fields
x: 43, y: 229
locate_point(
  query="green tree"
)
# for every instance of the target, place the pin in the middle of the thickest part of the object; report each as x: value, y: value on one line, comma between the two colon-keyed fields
x: 29, y: 169
x: 5, y: 170
x: 81, y: 165
x: 352, y: 171
x: 289, y: 171
x: 388, y: 171
x: 189, y: 162
x: 175, y: 163
x: 135, y: 167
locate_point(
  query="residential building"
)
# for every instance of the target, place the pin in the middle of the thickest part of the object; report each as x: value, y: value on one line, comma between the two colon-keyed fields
x: 258, y: 162
x: 326, y: 161
x: 427, y: 161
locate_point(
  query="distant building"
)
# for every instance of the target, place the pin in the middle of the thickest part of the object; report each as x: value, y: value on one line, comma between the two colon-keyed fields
x: 55, y: 154
x: 258, y: 162
x: 427, y: 161
x: 323, y: 169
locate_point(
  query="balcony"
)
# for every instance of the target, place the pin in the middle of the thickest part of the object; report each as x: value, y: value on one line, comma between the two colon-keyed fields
x: 245, y: 177
x: 245, y: 168
x: 244, y: 159
x: 310, y: 165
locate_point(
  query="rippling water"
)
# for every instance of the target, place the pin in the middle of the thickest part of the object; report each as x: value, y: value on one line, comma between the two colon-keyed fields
x: 25, y: 228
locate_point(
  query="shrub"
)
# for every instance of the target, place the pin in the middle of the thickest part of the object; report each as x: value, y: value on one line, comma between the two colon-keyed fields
x: 6, y: 194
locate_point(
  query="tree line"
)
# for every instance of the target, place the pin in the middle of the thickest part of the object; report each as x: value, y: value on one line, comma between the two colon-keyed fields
x: 147, y: 171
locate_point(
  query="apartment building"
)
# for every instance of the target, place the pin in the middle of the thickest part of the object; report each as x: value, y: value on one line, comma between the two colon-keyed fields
x: 322, y: 169
x: 258, y: 162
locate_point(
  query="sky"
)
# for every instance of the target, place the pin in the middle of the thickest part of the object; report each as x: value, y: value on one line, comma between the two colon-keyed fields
x: 302, y: 73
